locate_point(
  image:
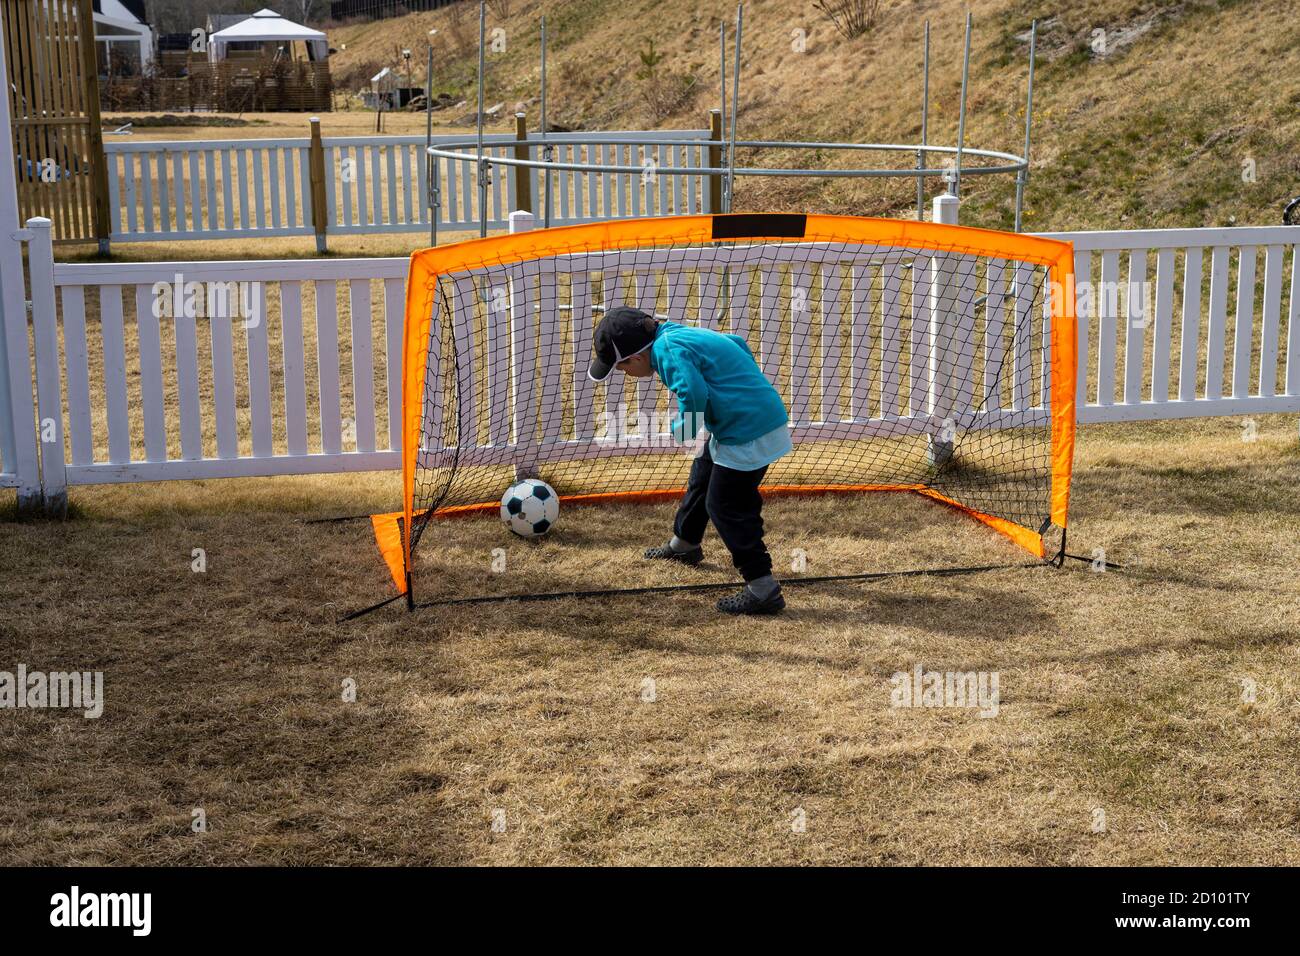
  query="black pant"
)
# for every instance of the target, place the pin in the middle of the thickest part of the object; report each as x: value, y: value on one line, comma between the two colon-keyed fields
x: 729, y: 499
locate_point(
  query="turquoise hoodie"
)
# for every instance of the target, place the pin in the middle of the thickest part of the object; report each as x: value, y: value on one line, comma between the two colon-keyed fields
x: 716, y: 380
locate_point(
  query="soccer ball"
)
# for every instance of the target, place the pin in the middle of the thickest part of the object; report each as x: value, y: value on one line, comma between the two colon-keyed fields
x: 530, y: 508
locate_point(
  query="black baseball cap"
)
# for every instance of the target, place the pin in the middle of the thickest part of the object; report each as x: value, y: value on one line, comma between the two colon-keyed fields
x: 621, y: 334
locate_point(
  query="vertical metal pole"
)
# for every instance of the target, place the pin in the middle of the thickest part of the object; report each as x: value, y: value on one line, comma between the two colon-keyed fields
x: 735, y: 105
x: 482, y: 165
x: 925, y: 125
x: 1022, y: 177
x: 961, y: 118
x: 722, y: 70
x: 428, y: 100
x: 436, y: 210
x: 721, y: 204
x: 546, y: 147
x: 429, y: 161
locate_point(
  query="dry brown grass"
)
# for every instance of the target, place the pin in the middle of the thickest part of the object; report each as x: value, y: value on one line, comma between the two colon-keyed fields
x: 1119, y: 690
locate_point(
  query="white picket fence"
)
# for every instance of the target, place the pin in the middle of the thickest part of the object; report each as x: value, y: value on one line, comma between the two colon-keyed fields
x: 228, y: 398
x: 1204, y: 286
x: 225, y: 189
x: 224, y: 420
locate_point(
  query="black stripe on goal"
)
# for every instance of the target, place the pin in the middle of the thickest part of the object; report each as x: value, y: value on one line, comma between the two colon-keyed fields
x: 751, y: 225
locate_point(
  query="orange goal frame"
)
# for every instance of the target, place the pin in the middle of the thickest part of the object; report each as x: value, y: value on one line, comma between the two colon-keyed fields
x: 427, y: 265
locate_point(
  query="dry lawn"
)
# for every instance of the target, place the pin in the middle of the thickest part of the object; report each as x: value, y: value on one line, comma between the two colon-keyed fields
x: 1163, y: 698
x: 1121, y: 691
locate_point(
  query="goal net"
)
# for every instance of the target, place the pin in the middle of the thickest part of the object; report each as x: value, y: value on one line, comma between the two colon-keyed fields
x: 911, y: 357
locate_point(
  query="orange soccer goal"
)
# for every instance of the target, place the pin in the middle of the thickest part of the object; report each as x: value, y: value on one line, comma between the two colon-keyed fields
x: 911, y: 356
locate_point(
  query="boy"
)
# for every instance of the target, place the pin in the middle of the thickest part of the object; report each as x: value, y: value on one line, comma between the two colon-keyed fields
x: 717, y: 384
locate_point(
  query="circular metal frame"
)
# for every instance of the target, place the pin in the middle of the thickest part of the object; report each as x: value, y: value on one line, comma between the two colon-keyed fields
x: 1011, y: 162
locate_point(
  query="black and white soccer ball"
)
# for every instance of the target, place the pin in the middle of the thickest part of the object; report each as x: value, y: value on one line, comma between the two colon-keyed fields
x: 530, y: 508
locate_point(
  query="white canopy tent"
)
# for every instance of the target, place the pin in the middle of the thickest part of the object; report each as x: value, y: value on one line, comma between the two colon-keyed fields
x: 267, y: 26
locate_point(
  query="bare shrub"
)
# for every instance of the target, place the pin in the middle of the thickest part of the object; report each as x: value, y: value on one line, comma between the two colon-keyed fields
x: 851, y: 18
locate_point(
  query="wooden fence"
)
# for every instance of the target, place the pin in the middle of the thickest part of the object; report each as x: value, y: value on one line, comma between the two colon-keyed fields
x: 230, y: 86
x: 53, y: 103
x: 244, y: 372
x: 301, y: 374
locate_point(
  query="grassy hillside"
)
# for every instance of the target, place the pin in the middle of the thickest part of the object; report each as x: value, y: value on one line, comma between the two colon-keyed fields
x: 1150, y: 122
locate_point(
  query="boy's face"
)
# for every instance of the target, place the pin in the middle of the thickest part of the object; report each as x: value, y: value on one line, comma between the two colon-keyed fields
x: 638, y: 366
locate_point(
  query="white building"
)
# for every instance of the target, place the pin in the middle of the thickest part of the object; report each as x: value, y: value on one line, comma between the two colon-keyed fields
x: 121, y: 32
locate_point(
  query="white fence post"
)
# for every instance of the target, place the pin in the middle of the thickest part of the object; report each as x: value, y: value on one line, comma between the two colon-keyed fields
x: 49, y: 393
x: 521, y: 220
x: 943, y: 307
x: 18, y: 454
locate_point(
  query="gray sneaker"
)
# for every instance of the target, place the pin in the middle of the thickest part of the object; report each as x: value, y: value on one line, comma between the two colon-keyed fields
x: 746, y: 603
